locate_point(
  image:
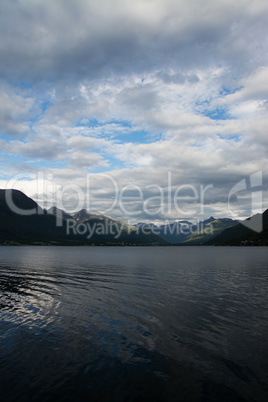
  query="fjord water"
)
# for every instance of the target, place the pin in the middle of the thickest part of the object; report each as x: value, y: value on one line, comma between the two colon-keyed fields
x: 133, y: 324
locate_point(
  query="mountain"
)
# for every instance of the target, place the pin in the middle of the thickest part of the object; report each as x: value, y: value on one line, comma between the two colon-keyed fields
x: 172, y: 233
x: 246, y: 233
x: 83, y: 215
x: 23, y: 221
x: 187, y: 233
x: 209, y: 230
x: 140, y: 225
x: 18, y: 200
x: 79, y: 216
x: 59, y: 213
x: 175, y: 232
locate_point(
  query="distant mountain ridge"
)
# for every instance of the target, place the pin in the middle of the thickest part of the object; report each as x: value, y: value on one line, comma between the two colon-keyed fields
x: 38, y: 226
x: 188, y: 233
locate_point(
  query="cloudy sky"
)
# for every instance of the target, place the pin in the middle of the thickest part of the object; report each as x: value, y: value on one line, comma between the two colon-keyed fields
x: 144, y: 110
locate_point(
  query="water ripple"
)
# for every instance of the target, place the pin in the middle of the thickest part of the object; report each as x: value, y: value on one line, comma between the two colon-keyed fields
x: 149, y: 318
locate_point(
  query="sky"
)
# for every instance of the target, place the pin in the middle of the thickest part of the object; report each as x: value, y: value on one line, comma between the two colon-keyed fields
x: 145, y: 110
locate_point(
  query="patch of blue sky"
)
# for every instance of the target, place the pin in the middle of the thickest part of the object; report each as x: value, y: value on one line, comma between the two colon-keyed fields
x: 42, y: 164
x: 6, y: 137
x: 100, y: 169
x: 91, y: 123
x: 21, y: 84
x: 16, y: 177
x: 229, y: 91
x: 45, y: 104
x: 197, y: 144
x: 117, y: 128
x: 38, y: 109
x: 233, y: 137
x: 218, y: 113
x: 114, y: 164
x: 45, y: 164
x: 3, y: 174
x: 138, y: 135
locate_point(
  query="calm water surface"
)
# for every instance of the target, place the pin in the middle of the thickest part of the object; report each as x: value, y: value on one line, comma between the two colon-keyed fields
x: 133, y: 324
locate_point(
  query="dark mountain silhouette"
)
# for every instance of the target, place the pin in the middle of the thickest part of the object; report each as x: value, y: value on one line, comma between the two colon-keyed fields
x: 23, y: 221
x: 18, y: 200
x: 251, y: 232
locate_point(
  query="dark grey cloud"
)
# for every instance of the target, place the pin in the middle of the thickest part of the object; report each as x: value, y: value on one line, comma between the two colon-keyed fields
x: 176, y: 78
x: 139, y: 99
x: 78, y: 39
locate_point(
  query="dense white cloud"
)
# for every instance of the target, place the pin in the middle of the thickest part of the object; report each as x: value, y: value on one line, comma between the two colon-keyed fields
x: 136, y: 90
